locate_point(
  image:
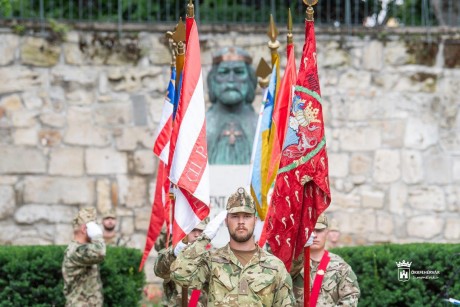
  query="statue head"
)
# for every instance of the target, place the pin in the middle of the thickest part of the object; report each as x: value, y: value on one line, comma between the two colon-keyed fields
x: 232, y: 79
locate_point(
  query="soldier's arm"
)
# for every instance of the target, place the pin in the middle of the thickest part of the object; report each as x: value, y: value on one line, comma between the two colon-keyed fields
x: 348, y: 288
x: 283, y: 292
x: 162, y: 267
x: 90, y: 253
x: 191, y: 268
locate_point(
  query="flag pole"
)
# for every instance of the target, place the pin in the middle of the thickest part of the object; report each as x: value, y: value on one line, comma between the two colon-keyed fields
x: 173, y: 49
x: 306, y: 276
x: 178, y: 37
x: 273, y: 44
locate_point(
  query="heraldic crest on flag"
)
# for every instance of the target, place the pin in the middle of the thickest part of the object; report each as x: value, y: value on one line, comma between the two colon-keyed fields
x: 301, y: 191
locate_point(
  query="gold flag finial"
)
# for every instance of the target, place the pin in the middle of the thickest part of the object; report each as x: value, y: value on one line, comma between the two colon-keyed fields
x: 310, y: 11
x: 272, y: 30
x: 190, y: 9
x: 179, y: 32
x: 179, y: 36
x: 290, y: 38
x: 263, y: 71
x: 272, y: 33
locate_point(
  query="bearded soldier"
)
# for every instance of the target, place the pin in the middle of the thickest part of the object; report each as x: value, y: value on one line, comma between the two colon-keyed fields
x: 240, y: 273
x: 110, y: 234
x: 80, y: 268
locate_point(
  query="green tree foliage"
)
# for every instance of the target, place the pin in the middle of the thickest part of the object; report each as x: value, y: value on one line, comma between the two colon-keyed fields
x: 31, y: 276
x: 5, y: 8
x: 377, y: 273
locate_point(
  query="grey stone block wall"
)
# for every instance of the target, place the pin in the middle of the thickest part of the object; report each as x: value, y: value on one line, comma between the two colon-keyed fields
x: 77, y: 125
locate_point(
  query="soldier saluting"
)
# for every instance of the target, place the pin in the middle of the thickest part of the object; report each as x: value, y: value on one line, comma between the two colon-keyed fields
x: 240, y: 273
x: 80, y: 268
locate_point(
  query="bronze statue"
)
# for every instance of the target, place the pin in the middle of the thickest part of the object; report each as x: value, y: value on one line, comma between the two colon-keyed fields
x: 231, y: 120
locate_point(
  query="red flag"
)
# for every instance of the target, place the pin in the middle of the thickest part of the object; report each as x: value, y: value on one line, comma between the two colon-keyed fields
x: 160, y: 209
x: 301, y: 191
x: 280, y: 121
x: 189, y: 166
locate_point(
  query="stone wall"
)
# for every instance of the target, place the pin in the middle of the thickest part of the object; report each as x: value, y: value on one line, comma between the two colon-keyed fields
x: 77, y: 119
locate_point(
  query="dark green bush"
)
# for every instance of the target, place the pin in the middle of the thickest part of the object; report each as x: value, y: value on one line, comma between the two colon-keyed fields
x: 377, y: 273
x: 31, y: 276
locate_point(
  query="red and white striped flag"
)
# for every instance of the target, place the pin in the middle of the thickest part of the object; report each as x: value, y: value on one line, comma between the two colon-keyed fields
x: 189, y: 166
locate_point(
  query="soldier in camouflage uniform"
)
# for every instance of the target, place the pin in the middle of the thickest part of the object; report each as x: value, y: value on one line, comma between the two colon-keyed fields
x: 339, y: 286
x: 173, y: 293
x: 160, y: 243
x: 240, y: 273
x: 80, y: 268
x: 111, y: 236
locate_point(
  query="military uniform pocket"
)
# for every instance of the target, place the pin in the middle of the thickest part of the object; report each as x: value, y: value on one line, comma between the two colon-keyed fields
x: 329, y: 285
x: 263, y: 284
x: 221, y: 281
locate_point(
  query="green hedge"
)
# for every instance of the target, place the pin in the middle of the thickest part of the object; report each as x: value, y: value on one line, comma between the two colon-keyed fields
x: 377, y: 273
x: 31, y: 276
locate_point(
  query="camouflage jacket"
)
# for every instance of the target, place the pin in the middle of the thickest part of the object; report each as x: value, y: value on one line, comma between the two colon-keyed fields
x: 173, y: 293
x: 339, y: 286
x: 263, y: 281
x: 118, y: 240
x: 80, y: 269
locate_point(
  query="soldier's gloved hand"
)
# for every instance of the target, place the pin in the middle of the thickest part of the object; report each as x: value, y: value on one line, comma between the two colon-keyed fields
x: 179, y: 247
x: 213, y: 226
x: 309, y: 241
x: 93, y: 230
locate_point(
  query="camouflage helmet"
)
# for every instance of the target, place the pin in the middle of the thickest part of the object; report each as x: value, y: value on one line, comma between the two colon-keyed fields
x: 84, y: 216
x: 322, y: 222
x: 202, y: 224
x: 241, y: 201
x: 334, y: 225
x: 109, y: 213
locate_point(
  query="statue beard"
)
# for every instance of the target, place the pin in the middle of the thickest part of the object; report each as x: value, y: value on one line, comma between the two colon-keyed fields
x: 231, y: 97
x: 242, y: 238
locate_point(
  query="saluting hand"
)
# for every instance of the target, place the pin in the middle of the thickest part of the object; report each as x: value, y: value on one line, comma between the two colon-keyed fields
x: 213, y: 226
x: 93, y: 230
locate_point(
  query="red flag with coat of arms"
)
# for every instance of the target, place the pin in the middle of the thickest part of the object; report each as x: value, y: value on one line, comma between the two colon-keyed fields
x: 301, y: 191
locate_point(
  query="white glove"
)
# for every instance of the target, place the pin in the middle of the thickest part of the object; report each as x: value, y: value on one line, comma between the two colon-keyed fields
x: 213, y: 226
x: 309, y: 241
x: 179, y: 247
x: 93, y: 230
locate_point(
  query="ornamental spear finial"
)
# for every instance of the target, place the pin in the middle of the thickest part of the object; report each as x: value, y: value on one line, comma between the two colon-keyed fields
x: 190, y: 9
x: 309, y: 13
x: 290, y: 38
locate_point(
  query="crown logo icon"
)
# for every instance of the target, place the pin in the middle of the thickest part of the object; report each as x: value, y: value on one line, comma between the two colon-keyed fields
x: 403, y: 264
